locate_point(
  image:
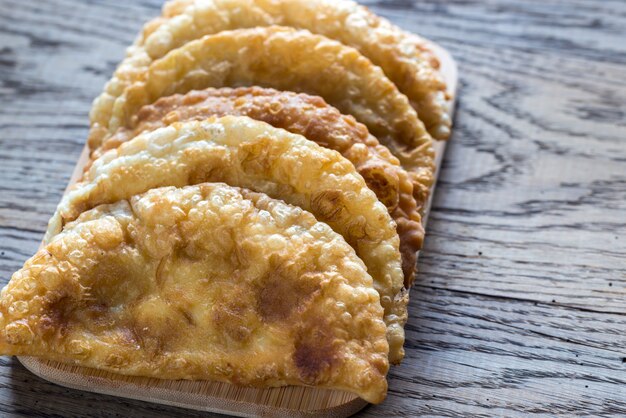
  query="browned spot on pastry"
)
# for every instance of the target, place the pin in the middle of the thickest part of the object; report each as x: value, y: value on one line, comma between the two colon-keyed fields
x: 171, y: 117
x: 275, y: 108
x: 17, y: 332
x: 160, y: 271
x: 255, y: 156
x: 187, y: 315
x: 112, y: 276
x: 57, y: 314
x: 157, y: 325
x: 412, y: 234
x: 210, y: 171
x: 314, y: 354
x: 328, y: 205
x: 281, y: 293
x: 357, y: 229
x: 193, y: 97
x: 99, y: 315
x: 232, y: 319
x: 148, y: 340
x: 240, y: 256
x: 127, y: 336
x: 76, y: 210
x: 383, y: 183
x: 115, y: 361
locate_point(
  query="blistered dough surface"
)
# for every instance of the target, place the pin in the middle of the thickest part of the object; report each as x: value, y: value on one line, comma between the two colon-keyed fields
x: 246, y: 153
x: 287, y: 59
x: 202, y: 282
x: 312, y: 118
x: 405, y: 58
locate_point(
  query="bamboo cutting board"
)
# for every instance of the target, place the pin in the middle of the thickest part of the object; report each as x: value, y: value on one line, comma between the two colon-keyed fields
x: 292, y: 401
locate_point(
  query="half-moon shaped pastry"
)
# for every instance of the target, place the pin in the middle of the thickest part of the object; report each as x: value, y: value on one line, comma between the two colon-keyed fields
x: 354, y: 14
x: 204, y: 282
x: 405, y: 58
x: 287, y: 59
x: 242, y: 152
x: 312, y: 118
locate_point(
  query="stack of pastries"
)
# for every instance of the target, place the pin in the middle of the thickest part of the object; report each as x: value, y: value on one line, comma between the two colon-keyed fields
x: 251, y: 210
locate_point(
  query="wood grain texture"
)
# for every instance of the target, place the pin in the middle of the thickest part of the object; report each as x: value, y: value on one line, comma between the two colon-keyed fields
x: 520, y: 306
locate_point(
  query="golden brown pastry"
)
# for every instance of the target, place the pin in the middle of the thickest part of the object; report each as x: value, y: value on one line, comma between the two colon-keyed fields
x: 405, y: 58
x: 355, y: 16
x: 287, y: 59
x: 203, y: 282
x: 312, y: 118
x: 243, y: 152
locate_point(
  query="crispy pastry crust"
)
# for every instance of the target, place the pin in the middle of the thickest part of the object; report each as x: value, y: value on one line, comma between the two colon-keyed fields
x: 203, y: 282
x: 243, y: 152
x: 287, y: 59
x: 405, y: 58
x: 312, y: 118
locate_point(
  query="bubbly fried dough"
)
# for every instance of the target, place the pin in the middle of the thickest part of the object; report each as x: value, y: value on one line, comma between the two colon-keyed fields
x: 203, y: 282
x: 174, y: 8
x: 320, y: 9
x: 405, y: 58
x: 287, y: 59
x: 312, y: 118
x: 243, y: 152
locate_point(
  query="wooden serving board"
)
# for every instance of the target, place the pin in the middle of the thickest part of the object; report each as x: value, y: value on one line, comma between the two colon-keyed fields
x: 292, y: 401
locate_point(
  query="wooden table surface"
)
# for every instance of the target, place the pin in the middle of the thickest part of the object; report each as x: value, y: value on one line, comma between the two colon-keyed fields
x: 520, y: 305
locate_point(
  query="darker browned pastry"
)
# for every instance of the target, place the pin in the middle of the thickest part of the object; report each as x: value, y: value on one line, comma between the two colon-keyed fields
x: 313, y: 118
x: 406, y: 59
x: 267, y: 56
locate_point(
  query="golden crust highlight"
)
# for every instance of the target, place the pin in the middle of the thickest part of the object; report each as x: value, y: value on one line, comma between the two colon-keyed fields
x: 185, y: 284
